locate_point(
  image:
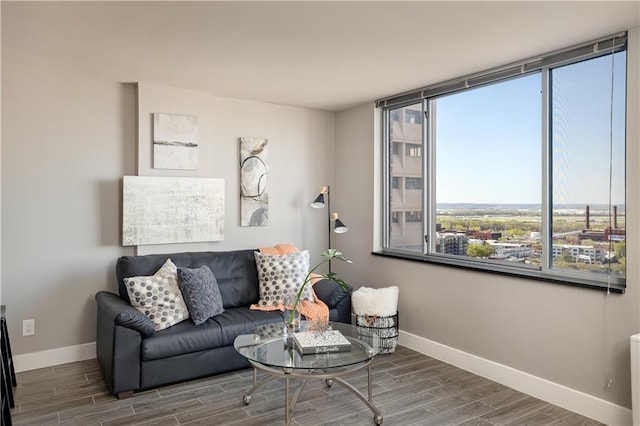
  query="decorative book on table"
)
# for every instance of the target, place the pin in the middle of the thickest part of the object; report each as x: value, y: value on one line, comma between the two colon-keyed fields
x: 309, y: 342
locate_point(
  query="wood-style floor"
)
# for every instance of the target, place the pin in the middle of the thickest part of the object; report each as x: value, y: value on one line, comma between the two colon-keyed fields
x: 408, y: 388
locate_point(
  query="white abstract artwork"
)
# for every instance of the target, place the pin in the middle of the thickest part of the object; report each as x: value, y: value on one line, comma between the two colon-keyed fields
x: 175, y: 141
x: 254, y: 176
x: 162, y: 210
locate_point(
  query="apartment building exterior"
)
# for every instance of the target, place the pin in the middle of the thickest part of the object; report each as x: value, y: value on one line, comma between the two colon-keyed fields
x: 406, y: 178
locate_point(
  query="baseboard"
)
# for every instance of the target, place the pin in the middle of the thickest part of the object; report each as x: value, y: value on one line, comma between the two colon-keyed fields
x: 51, y: 357
x: 554, y: 393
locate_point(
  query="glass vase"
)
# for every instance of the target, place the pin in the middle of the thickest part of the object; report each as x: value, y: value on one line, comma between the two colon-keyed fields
x: 291, y: 315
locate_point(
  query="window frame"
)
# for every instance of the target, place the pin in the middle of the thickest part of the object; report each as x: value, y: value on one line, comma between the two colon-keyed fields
x: 427, y: 96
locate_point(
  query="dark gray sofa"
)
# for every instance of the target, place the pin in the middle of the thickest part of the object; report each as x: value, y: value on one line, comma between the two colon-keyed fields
x: 135, y: 357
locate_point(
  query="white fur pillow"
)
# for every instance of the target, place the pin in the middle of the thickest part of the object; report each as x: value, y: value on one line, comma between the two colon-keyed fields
x: 375, y: 301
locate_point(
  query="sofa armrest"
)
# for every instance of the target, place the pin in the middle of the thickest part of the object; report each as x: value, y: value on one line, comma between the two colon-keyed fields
x: 122, y: 313
x: 335, y: 297
x: 117, y: 345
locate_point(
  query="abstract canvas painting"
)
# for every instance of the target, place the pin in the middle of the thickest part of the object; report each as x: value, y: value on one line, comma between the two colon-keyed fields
x: 175, y: 141
x: 254, y: 174
x: 161, y: 210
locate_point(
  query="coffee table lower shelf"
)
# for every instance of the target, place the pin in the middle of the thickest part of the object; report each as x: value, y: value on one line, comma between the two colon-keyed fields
x: 330, y: 376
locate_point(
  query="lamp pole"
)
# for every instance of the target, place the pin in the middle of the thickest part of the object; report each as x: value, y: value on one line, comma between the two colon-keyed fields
x: 323, y: 200
x: 329, y: 222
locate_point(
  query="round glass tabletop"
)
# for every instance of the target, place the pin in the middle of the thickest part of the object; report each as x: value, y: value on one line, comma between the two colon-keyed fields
x: 269, y: 346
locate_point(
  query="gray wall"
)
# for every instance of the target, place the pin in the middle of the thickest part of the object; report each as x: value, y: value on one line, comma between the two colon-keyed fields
x: 567, y: 335
x: 67, y: 142
x: 301, y: 149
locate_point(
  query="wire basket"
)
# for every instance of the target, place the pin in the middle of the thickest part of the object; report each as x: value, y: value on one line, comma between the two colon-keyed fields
x: 385, y: 328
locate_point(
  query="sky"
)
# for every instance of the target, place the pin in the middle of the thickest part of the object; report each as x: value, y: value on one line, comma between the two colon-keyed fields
x: 489, y: 148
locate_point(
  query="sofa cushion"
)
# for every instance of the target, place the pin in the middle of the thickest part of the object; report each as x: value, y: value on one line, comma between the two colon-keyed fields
x: 200, y: 292
x: 235, y: 272
x: 221, y: 330
x: 281, y: 276
x: 158, y: 296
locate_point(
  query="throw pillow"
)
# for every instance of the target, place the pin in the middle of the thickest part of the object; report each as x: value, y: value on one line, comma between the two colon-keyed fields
x: 158, y: 296
x: 280, y: 276
x: 200, y: 290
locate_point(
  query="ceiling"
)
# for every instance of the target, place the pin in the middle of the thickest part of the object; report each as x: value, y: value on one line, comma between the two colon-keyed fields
x: 321, y: 55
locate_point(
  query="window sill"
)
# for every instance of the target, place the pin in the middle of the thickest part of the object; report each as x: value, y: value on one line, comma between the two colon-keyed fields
x: 531, y: 274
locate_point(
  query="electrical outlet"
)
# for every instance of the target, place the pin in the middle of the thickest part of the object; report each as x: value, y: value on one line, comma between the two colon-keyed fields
x: 28, y: 327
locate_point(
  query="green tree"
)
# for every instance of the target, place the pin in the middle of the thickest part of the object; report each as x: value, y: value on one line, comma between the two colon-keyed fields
x: 620, y: 249
x: 566, y: 257
x: 476, y: 250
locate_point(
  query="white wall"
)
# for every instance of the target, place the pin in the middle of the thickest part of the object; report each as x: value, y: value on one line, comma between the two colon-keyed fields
x: 571, y: 336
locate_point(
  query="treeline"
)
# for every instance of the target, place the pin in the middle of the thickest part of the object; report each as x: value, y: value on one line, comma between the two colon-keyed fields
x: 515, y: 228
x: 509, y: 226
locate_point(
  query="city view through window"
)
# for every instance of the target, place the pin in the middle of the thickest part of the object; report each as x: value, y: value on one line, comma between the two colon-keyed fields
x: 487, y: 149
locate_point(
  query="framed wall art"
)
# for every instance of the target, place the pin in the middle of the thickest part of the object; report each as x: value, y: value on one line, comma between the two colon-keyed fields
x: 254, y: 176
x: 162, y: 210
x: 175, y: 141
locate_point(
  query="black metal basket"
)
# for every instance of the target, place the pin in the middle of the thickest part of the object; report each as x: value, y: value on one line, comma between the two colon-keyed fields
x: 385, y: 328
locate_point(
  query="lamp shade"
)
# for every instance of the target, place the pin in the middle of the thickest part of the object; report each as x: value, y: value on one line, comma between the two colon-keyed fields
x: 318, y: 203
x: 340, y: 227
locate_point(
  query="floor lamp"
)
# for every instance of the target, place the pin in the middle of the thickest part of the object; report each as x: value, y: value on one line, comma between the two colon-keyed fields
x: 319, y: 203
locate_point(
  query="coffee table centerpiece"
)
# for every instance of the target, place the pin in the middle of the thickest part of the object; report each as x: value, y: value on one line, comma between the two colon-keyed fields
x: 292, y: 316
x: 317, y: 342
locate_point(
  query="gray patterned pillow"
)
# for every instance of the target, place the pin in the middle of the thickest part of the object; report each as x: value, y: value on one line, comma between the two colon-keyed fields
x: 200, y: 290
x: 282, y: 275
x: 158, y: 296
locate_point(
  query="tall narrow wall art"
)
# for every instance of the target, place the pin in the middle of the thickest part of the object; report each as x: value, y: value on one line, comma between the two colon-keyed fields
x: 175, y: 141
x: 161, y: 210
x: 254, y: 174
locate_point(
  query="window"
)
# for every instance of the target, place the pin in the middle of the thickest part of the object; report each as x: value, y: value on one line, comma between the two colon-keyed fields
x: 588, y: 165
x: 396, y: 182
x: 414, y: 216
x: 396, y: 148
x: 413, y: 116
x: 523, y: 172
x: 414, y: 150
x: 413, y: 183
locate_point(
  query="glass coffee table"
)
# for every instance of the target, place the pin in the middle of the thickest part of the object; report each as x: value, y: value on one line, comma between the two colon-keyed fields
x: 269, y: 350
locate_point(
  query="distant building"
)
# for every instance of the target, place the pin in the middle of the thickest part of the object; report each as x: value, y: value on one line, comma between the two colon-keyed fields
x: 452, y: 243
x: 518, y: 250
x: 484, y: 235
x: 614, y: 234
x: 507, y: 258
x: 603, y: 235
x: 406, y: 177
x: 585, y: 254
x: 591, y: 234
